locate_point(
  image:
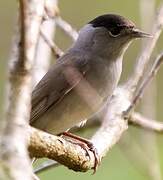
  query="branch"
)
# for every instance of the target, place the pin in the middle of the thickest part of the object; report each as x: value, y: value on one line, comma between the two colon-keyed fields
x: 56, y: 148
x: 145, y: 55
x: 64, y: 25
x: 139, y: 120
x: 57, y: 52
x: 67, y: 28
x: 149, y: 148
x: 43, y: 52
x: 144, y: 84
x: 49, y: 164
x: 14, y: 160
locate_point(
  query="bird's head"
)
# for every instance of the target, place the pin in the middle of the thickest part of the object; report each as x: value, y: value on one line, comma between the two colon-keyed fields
x: 111, y: 33
x: 118, y: 26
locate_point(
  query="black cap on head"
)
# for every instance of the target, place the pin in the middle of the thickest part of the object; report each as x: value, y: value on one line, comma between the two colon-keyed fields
x: 114, y: 23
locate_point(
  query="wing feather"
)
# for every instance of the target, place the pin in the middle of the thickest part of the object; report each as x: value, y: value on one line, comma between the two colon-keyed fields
x: 55, y: 84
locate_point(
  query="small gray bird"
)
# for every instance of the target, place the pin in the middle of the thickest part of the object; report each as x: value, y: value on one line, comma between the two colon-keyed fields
x: 84, y: 78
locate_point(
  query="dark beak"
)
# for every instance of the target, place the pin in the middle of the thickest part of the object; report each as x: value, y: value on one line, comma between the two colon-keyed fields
x: 136, y: 33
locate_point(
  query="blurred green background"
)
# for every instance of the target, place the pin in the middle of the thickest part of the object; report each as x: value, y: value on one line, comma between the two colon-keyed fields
x: 122, y: 161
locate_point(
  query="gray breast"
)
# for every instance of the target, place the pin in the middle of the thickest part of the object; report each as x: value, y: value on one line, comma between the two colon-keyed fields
x: 104, y: 75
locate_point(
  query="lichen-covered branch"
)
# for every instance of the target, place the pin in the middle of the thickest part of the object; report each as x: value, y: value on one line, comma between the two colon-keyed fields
x: 53, y: 147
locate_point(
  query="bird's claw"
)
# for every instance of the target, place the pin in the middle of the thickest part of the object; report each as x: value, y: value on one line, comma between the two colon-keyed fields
x: 87, y: 146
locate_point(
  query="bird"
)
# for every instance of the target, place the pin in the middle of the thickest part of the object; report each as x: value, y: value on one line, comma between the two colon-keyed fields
x: 81, y: 81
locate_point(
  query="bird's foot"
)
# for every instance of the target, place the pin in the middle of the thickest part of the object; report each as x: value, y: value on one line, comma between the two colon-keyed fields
x: 86, y: 145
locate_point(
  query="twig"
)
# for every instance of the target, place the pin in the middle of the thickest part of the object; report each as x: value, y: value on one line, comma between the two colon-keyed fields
x: 148, y: 104
x: 67, y: 28
x: 46, y: 166
x: 64, y: 25
x: 57, y: 52
x: 34, y: 177
x: 139, y: 120
x: 144, y: 84
x: 145, y: 55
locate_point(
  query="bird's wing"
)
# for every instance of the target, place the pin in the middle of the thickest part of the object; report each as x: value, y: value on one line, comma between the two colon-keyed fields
x: 59, y: 80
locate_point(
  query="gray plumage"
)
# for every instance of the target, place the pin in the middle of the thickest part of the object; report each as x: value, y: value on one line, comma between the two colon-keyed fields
x: 81, y: 81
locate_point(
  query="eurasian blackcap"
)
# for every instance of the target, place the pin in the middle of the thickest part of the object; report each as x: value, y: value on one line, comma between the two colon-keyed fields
x: 78, y: 85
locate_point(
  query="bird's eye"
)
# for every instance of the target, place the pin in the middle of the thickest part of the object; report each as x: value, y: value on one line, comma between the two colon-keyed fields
x: 114, y: 32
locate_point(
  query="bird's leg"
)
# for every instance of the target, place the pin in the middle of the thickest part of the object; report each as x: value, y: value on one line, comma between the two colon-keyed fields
x: 82, y: 143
